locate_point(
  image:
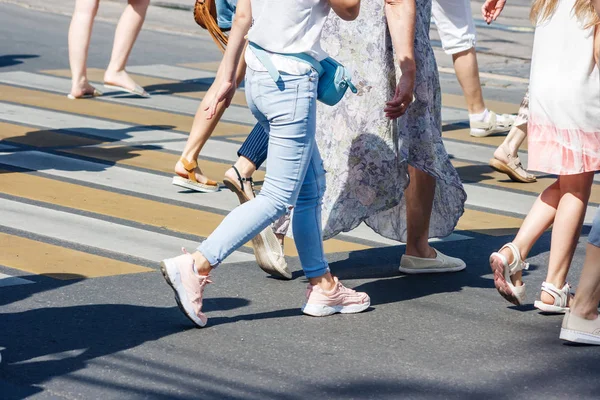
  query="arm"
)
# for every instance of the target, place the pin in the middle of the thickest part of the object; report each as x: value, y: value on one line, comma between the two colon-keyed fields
x: 596, y: 4
x: 401, y: 18
x: 225, y: 80
x: 346, y: 9
x: 491, y: 9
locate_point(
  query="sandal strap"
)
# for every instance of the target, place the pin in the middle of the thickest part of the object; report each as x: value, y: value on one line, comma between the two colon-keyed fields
x: 190, y: 167
x: 561, y: 296
x: 517, y: 264
x: 242, y: 180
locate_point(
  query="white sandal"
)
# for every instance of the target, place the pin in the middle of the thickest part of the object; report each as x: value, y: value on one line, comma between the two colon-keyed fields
x: 503, y: 271
x: 561, y: 298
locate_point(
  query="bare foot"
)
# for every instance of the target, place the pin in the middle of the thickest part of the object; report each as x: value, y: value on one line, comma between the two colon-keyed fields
x: 501, y: 154
x: 82, y: 88
x: 248, y: 188
x: 119, y: 78
x: 549, y: 299
x: 180, y: 170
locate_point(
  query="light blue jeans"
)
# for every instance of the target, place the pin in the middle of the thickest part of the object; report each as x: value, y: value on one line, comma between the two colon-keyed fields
x: 594, y: 236
x: 295, y: 177
x: 225, y: 13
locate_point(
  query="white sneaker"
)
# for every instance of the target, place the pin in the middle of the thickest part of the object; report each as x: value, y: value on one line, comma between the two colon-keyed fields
x: 580, y: 330
x: 494, y: 123
x: 441, y: 263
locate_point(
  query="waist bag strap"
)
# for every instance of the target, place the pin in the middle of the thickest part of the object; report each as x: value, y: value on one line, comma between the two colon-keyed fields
x: 265, y: 59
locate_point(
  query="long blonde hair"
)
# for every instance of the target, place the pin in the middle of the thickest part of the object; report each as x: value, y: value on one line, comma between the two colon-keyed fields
x: 541, y: 10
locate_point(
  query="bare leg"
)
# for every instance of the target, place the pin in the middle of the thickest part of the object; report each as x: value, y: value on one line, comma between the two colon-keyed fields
x: 512, y: 143
x: 127, y: 31
x: 202, y: 129
x: 80, y: 32
x: 419, y: 204
x: 562, y: 203
x: 539, y: 219
x: 467, y: 73
x: 585, y: 304
x: 506, y: 157
x: 575, y: 191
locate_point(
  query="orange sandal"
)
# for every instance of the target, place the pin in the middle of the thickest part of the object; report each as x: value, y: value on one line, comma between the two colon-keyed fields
x: 189, y: 180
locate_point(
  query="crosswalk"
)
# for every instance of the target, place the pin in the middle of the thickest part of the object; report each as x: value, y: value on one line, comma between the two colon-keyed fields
x: 85, y: 186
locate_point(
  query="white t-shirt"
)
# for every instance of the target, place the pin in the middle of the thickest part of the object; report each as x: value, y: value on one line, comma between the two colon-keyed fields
x: 287, y: 26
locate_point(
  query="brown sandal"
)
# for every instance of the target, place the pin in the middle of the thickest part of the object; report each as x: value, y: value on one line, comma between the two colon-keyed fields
x: 189, y: 180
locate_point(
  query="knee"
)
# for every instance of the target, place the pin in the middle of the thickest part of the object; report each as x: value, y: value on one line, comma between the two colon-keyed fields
x: 579, y: 186
x: 140, y: 5
x: 87, y: 10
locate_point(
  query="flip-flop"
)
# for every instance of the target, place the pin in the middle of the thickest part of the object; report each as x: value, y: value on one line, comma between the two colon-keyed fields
x: 95, y: 93
x: 138, y: 91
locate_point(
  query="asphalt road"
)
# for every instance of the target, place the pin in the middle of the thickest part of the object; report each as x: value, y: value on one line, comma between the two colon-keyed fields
x: 122, y: 337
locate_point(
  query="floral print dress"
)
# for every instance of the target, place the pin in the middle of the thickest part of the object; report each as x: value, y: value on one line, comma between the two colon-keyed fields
x: 366, y: 156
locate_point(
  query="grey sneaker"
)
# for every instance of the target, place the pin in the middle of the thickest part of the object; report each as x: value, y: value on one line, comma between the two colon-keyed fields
x: 580, y: 330
x: 441, y: 263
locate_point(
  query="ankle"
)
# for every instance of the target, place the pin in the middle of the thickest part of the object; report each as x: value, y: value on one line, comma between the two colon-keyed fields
x: 502, y: 152
x: 584, y: 310
x: 245, y: 167
x: 325, y: 282
x: 479, y: 115
x: 201, y: 264
x: 423, y: 250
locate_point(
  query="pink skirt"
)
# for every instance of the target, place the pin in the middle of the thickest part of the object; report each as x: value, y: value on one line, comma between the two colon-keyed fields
x: 561, y: 151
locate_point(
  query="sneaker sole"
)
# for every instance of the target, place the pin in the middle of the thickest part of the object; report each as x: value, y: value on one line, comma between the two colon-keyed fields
x: 175, y: 284
x: 197, y: 187
x: 316, y: 310
x: 413, y: 271
x: 579, y: 337
x: 500, y: 281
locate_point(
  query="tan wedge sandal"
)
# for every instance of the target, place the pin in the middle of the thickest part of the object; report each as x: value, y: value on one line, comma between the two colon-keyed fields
x: 189, y: 180
x: 267, y: 250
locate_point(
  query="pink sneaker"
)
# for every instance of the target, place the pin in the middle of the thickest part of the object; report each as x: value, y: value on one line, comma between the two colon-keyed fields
x: 340, y: 299
x: 187, y: 285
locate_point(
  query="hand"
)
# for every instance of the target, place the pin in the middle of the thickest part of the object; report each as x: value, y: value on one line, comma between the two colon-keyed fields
x: 491, y: 9
x: 396, y: 107
x: 225, y: 93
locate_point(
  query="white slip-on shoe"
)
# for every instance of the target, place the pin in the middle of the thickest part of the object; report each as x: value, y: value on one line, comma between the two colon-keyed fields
x: 580, y: 330
x: 441, y: 263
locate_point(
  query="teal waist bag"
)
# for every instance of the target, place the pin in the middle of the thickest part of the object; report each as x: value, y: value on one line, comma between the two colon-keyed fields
x: 334, y: 78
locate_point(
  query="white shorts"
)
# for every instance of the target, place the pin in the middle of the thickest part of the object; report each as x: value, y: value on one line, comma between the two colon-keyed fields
x: 454, y: 22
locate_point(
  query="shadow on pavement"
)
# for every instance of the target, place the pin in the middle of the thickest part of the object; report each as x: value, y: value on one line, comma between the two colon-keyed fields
x: 15, y: 59
x: 76, y: 144
x: 41, y: 283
